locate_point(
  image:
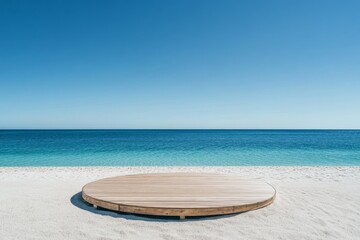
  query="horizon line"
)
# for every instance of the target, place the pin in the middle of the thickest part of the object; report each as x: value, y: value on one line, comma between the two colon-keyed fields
x: 99, y: 129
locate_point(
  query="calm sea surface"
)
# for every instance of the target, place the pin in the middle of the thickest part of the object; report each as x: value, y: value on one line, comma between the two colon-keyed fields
x: 178, y: 147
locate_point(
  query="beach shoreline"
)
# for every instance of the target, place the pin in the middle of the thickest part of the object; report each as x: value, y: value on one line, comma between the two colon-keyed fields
x: 311, y: 203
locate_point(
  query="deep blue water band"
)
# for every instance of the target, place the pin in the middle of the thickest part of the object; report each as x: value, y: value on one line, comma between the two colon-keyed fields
x: 179, y: 147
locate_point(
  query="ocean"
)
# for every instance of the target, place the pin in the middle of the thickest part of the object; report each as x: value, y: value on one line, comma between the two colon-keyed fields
x: 179, y: 147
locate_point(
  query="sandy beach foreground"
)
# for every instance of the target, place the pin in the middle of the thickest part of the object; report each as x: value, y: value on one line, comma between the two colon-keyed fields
x: 311, y: 203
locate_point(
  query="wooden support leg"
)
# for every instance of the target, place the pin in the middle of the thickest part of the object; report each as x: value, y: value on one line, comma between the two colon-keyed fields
x: 95, y: 206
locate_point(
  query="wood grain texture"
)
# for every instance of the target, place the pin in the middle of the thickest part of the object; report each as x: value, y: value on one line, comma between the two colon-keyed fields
x: 179, y: 194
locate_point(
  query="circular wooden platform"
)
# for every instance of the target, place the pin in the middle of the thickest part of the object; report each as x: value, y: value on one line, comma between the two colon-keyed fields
x: 179, y: 194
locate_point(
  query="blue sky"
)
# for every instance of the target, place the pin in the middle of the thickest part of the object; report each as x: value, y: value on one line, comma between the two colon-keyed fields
x: 179, y: 64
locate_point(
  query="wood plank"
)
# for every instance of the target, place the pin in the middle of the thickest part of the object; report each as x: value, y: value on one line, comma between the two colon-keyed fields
x: 179, y: 194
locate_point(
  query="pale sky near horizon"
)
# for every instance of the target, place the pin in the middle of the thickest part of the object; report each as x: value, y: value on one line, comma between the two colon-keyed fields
x: 179, y: 64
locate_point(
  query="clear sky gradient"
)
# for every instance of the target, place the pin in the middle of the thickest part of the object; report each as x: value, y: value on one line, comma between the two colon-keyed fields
x: 180, y: 64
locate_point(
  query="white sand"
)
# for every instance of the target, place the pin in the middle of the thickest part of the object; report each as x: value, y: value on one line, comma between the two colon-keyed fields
x: 311, y: 203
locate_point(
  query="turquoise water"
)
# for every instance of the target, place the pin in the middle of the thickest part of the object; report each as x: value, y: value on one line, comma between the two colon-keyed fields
x: 179, y: 147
